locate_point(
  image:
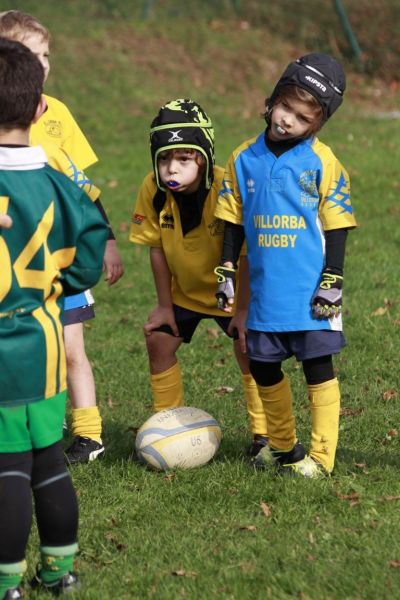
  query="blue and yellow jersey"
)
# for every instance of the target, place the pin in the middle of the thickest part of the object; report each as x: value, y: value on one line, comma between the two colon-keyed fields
x: 66, y: 147
x: 55, y: 245
x: 191, y: 258
x: 285, y: 204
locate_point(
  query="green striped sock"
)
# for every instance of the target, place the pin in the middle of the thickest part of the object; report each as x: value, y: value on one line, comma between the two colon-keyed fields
x: 11, y: 576
x: 56, y: 562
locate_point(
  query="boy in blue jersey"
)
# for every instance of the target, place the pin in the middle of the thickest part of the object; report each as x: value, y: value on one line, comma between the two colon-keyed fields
x: 52, y: 242
x: 288, y: 196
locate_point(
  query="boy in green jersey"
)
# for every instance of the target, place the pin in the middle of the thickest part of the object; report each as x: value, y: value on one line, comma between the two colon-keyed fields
x: 68, y: 151
x: 55, y: 244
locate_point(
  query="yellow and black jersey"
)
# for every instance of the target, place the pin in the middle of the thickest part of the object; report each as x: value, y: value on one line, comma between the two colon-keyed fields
x: 192, y: 257
x: 55, y: 245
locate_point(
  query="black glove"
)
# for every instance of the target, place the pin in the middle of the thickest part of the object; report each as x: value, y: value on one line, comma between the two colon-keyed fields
x: 226, y: 286
x: 327, y: 301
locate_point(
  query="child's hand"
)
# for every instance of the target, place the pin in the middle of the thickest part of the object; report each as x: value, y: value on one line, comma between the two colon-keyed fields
x: 327, y: 302
x: 226, y: 289
x: 238, y: 322
x: 5, y: 221
x: 161, y: 316
x: 112, y: 263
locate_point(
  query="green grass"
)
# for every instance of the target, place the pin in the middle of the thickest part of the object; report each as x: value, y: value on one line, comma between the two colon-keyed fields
x: 202, y: 534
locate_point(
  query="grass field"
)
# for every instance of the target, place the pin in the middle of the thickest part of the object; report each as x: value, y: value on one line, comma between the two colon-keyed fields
x: 224, y: 531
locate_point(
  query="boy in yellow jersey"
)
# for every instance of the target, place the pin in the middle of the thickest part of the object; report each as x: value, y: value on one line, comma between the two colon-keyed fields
x: 288, y: 196
x: 174, y: 215
x: 53, y: 243
x: 69, y: 152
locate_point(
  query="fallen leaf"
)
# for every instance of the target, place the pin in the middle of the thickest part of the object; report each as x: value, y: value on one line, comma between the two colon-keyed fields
x: 395, y: 564
x: 389, y: 498
x: 123, y: 227
x: 311, y: 557
x: 353, y: 503
x: 113, y: 183
x: 112, y: 538
x: 392, y: 433
x: 248, y: 528
x: 311, y: 538
x: 133, y: 429
x: 110, y: 402
x: 224, y: 389
x: 169, y: 477
x: 351, y: 412
x: 212, y: 332
x: 382, y: 310
x: 247, y: 567
x: 183, y: 573
x: 266, y: 509
x: 352, y: 496
x: 359, y: 465
x: 389, y: 394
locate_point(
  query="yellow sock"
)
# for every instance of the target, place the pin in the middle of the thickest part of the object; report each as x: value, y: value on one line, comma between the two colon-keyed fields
x: 167, y: 388
x: 277, y: 402
x: 87, y: 422
x: 325, y: 408
x: 255, y: 408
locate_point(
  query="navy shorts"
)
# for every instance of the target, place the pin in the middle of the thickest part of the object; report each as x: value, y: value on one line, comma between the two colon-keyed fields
x: 188, y: 320
x: 276, y: 347
x: 78, y: 315
x: 78, y: 308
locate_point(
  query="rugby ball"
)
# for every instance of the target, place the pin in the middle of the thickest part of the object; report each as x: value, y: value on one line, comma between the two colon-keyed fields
x: 183, y: 437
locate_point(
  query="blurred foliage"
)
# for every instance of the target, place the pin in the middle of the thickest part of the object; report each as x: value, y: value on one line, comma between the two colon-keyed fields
x: 311, y: 24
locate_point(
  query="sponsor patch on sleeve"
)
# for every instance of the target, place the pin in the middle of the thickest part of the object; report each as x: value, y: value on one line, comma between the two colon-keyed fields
x: 138, y: 219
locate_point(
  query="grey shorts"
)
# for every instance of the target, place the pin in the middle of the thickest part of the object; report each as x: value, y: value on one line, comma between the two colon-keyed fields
x: 275, y: 347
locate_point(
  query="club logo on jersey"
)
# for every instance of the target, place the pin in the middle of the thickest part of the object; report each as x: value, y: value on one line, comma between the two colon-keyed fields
x: 175, y: 137
x: 309, y: 191
x: 167, y: 221
x: 138, y: 219
x: 216, y: 227
x: 340, y: 195
x: 225, y: 189
x: 53, y: 128
x: 79, y: 177
x: 250, y: 186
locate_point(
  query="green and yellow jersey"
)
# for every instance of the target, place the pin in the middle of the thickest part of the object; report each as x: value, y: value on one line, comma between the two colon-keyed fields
x: 191, y: 258
x: 55, y: 245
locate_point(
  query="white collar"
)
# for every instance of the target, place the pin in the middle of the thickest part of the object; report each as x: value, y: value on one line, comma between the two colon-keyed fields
x: 26, y: 158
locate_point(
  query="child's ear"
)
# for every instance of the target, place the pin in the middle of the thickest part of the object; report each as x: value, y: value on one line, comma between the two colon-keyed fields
x: 41, y: 107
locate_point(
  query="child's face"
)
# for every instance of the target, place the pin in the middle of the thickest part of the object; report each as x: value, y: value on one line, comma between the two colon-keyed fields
x: 290, y: 119
x: 40, y: 48
x: 179, y: 170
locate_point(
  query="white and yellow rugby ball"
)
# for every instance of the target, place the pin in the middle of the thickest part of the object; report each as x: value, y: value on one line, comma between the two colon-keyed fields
x: 183, y: 437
